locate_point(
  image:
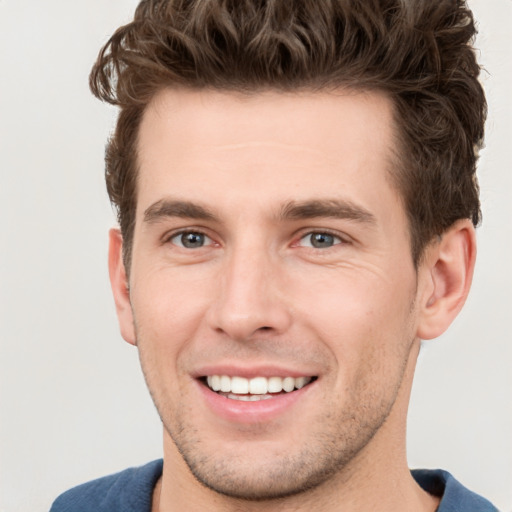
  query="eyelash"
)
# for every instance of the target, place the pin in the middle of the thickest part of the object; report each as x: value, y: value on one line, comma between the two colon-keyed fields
x: 338, y: 239
x: 169, y: 236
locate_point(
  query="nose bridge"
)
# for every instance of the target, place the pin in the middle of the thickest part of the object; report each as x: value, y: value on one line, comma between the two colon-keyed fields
x: 249, y: 299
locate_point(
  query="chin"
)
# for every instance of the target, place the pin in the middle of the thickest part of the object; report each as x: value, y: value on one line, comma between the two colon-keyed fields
x: 259, y: 482
x: 261, y: 471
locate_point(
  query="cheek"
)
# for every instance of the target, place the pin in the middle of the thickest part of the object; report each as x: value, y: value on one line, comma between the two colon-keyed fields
x: 171, y: 300
x: 366, y: 324
x: 343, y: 305
x: 168, y: 311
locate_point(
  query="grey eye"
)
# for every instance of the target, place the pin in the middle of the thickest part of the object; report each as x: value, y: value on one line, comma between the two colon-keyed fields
x: 319, y: 240
x: 191, y: 240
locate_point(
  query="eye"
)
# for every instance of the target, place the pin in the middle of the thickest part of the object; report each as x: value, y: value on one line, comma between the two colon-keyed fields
x: 320, y: 240
x: 191, y: 240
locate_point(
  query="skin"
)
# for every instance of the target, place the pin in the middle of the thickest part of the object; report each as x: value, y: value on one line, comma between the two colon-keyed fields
x: 241, y: 171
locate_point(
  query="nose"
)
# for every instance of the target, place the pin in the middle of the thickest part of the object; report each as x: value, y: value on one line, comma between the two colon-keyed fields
x: 250, y: 297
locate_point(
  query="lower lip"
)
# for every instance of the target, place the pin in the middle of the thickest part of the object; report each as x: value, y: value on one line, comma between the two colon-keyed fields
x: 244, y: 412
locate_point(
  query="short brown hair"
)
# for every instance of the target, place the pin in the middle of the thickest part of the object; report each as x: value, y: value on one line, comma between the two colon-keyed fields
x: 418, y: 52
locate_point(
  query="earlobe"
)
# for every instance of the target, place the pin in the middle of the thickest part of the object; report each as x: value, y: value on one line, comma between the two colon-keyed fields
x: 447, y: 272
x: 119, y: 284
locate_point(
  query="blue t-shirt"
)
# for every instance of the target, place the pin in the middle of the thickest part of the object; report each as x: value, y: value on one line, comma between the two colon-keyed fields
x: 131, y: 491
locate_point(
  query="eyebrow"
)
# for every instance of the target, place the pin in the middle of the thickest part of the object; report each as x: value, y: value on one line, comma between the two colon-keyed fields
x: 329, y: 208
x: 293, y: 210
x: 173, y: 208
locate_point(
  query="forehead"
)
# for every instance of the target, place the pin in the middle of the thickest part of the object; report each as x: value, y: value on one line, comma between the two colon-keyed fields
x: 218, y: 117
x: 289, y: 145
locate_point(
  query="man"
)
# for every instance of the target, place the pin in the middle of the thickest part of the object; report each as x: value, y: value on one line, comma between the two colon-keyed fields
x: 296, y: 192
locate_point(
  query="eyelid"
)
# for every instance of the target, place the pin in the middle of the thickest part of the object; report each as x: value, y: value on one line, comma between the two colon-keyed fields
x: 169, y: 235
x: 343, y: 239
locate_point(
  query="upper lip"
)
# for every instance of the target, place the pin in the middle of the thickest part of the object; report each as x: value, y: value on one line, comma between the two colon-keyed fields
x: 250, y: 372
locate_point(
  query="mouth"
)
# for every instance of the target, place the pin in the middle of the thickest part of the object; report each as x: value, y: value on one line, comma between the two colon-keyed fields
x: 255, y: 389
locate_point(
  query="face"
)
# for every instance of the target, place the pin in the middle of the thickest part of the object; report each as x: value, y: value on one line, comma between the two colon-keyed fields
x: 272, y: 291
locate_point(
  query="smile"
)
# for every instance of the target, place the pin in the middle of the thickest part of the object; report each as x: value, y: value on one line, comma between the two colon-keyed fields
x: 255, y: 389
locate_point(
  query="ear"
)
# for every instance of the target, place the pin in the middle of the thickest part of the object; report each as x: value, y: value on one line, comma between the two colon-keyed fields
x: 446, y: 273
x: 120, y: 288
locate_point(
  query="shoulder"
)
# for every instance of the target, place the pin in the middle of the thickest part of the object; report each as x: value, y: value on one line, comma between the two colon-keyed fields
x: 127, y: 491
x: 454, y: 496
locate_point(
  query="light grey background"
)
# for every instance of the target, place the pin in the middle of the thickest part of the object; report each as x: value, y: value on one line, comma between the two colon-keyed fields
x: 73, y: 402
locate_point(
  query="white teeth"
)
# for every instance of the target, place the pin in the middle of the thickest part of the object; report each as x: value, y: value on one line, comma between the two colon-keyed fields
x: 275, y: 385
x: 257, y: 388
x: 248, y: 398
x: 215, y: 383
x: 239, y: 385
x: 301, y: 382
x: 288, y: 384
x: 225, y: 383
